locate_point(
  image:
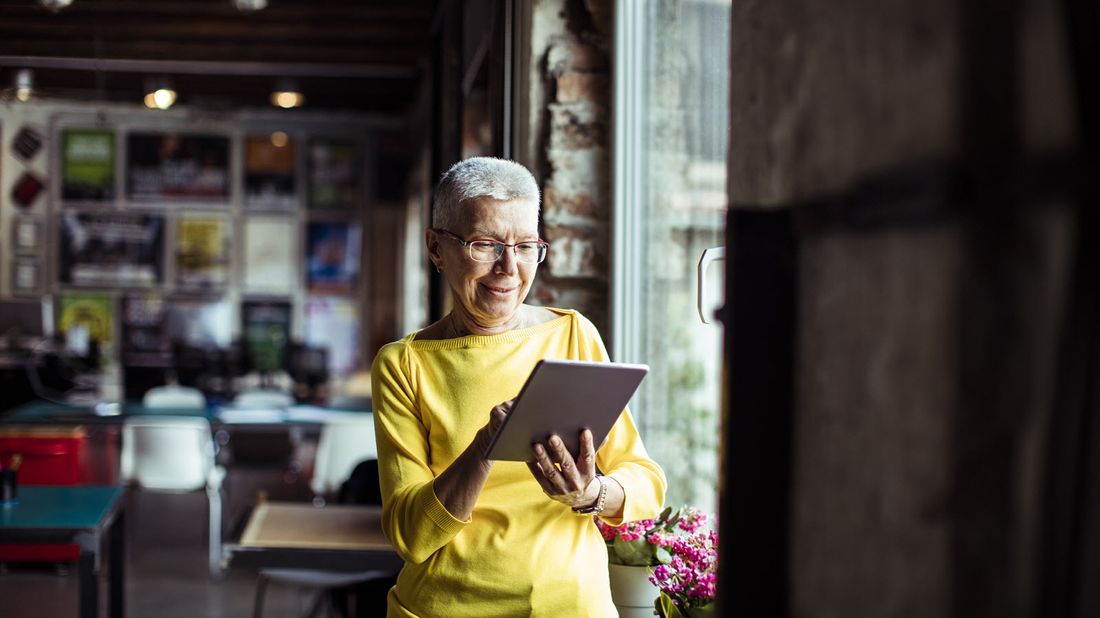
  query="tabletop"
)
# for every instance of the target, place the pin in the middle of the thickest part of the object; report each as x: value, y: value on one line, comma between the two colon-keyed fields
x: 50, y: 412
x: 76, y: 507
x: 297, y: 535
x: 281, y: 524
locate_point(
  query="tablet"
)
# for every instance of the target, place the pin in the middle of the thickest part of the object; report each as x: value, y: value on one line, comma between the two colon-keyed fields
x: 563, y: 397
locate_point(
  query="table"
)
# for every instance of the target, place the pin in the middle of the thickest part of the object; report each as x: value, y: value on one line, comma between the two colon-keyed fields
x: 302, y: 536
x: 83, y: 515
x: 304, y: 416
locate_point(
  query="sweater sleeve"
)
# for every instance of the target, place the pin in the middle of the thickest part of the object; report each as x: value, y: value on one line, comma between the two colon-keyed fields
x: 622, y: 456
x: 413, y: 519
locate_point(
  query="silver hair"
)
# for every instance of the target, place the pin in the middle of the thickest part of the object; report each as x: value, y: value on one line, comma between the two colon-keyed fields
x: 477, y: 177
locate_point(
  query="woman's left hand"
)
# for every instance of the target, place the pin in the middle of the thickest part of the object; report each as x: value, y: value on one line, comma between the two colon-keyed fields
x: 573, y: 483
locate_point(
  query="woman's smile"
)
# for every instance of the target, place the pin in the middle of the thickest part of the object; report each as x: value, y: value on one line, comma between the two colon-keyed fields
x: 499, y: 290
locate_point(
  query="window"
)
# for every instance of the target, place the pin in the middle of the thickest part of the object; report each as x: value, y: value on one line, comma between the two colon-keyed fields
x: 672, y: 121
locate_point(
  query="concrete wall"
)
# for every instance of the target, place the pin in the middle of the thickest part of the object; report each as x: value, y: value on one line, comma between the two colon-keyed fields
x: 926, y: 347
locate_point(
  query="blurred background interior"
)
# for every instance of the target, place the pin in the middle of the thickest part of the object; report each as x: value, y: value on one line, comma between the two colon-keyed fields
x: 889, y: 394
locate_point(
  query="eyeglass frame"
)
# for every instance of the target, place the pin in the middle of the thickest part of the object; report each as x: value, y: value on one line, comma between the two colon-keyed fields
x: 469, y: 251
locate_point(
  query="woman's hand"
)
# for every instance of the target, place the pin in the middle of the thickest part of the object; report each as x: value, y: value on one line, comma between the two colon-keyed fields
x: 458, y: 487
x: 573, y: 483
x: 484, y: 436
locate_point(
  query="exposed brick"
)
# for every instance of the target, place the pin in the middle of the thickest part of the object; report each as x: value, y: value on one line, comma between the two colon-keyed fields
x: 584, y: 296
x: 574, y: 86
x: 577, y: 251
x: 574, y: 55
x: 601, y: 12
x: 577, y: 125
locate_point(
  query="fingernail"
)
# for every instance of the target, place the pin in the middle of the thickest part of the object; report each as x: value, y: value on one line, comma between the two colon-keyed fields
x: 554, y: 440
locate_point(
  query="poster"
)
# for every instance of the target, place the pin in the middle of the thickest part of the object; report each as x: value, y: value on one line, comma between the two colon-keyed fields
x: 144, y: 339
x: 270, y: 254
x: 199, y: 323
x: 26, y: 190
x: 332, y: 257
x: 27, y: 143
x: 177, y: 167
x: 111, y: 249
x: 265, y: 329
x: 26, y: 277
x: 87, y: 164
x: 86, y: 317
x: 202, y: 253
x: 332, y: 323
x: 269, y: 178
x: 334, y: 175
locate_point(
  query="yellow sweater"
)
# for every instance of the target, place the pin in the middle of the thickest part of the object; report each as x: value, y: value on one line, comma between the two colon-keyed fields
x: 520, y: 554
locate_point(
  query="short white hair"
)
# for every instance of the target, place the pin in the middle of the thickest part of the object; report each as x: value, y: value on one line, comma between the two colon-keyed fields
x: 479, y: 177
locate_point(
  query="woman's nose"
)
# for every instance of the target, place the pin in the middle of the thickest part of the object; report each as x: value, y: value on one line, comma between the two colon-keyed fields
x: 507, y: 262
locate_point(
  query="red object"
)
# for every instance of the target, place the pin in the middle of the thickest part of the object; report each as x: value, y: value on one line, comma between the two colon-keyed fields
x: 50, y: 456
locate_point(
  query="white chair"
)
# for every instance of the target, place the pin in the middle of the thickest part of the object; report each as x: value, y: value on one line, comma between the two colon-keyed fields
x: 342, y: 445
x: 175, y: 454
x: 262, y: 398
x: 174, y: 396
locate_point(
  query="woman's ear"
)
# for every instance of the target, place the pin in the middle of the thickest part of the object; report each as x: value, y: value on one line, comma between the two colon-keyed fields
x: 431, y: 242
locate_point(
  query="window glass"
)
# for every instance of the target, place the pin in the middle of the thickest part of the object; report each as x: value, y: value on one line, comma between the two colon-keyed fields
x: 683, y: 121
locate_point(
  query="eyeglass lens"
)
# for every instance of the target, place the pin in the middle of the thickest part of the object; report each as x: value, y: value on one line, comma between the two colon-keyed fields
x: 486, y: 251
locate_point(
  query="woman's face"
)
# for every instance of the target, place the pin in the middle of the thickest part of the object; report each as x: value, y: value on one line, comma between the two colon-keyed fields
x: 489, y: 293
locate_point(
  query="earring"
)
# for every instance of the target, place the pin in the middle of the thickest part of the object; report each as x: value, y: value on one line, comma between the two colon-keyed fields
x: 438, y: 268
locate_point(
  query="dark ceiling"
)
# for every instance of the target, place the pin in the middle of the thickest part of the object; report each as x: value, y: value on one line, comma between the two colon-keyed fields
x: 367, y: 56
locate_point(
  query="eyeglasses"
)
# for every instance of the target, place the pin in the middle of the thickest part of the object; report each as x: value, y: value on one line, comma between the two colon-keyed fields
x: 486, y: 250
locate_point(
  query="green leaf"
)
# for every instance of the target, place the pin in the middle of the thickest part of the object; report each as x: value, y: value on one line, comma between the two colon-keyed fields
x: 665, y: 608
x: 663, y: 555
x: 634, y: 553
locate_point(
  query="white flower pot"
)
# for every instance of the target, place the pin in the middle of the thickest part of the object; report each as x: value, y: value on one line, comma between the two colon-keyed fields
x: 632, y: 591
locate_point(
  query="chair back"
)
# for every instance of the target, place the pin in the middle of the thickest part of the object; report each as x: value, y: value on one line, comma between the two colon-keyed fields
x: 168, y: 453
x: 174, y: 396
x: 261, y: 398
x: 343, y: 444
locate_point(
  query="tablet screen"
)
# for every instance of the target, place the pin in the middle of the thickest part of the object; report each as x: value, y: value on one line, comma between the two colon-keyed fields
x: 562, y: 398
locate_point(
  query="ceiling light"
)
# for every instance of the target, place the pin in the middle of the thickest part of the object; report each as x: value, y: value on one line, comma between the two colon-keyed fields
x: 55, y: 5
x: 24, y: 84
x: 286, y: 95
x: 160, y: 94
x: 248, y: 6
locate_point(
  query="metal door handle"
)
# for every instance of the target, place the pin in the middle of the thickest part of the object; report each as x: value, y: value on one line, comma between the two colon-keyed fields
x: 709, y: 255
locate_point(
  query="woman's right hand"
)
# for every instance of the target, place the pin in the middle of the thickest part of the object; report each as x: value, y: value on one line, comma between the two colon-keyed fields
x: 458, y: 487
x: 485, y: 435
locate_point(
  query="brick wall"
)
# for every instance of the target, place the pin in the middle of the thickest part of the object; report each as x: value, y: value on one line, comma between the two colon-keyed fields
x: 570, y: 120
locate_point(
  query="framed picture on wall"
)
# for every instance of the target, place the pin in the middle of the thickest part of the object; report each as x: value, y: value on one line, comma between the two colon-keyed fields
x: 177, y: 167
x: 28, y: 141
x: 93, y: 315
x: 143, y: 340
x: 332, y: 323
x: 26, y: 235
x: 270, y: 180
x: 332, y: 257
x: 87, y: 165
x: 271, y: 255
x: 335, y: 175
x: 199, y: 323
x: 265, y: 329
x: 111, y: 249
x: 202, y: 253
x: 26, y: 277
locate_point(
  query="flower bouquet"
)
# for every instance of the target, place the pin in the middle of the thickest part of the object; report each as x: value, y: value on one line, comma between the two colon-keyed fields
x: 680, y: 550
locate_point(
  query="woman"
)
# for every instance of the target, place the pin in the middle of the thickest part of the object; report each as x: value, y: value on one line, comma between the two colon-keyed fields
x: 483, y: 538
